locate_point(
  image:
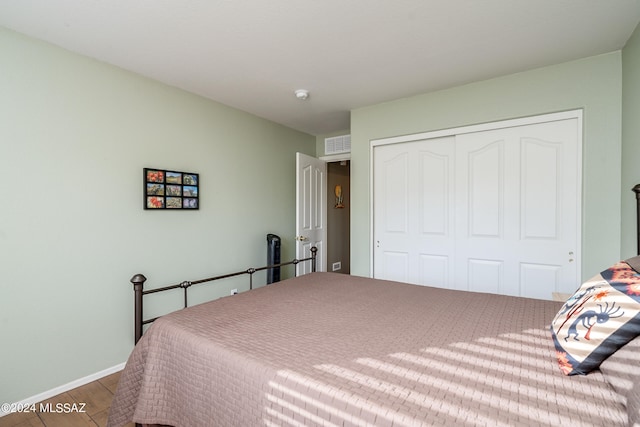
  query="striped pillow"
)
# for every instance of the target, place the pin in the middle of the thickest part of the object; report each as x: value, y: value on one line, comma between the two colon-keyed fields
x: 602, y: 316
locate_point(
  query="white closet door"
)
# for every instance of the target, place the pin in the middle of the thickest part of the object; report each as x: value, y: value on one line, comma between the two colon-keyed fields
x: 517, y: 210
x: 491, y: 211
x: 414, y: 222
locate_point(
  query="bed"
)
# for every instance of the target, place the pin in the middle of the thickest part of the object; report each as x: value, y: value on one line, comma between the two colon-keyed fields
x: 338, y: 350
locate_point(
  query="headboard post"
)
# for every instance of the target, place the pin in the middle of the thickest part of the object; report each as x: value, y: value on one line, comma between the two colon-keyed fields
x: 138, y: 284
x: 636, y: 190
x: 314, y: 251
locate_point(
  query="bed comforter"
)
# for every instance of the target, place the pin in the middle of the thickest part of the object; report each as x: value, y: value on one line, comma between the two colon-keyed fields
x: 332, y: 349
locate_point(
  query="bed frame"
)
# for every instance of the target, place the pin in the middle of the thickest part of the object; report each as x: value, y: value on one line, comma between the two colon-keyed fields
x: 636, y: 190
x: 139, y: 279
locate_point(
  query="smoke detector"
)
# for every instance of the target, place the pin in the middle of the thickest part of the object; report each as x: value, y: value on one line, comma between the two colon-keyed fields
x: 302, y: 94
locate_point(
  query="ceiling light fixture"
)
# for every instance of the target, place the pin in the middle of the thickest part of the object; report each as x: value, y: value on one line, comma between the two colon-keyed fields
x: 302, y: 94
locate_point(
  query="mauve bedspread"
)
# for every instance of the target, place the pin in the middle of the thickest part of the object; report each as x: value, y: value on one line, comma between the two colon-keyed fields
x: 331, y: 349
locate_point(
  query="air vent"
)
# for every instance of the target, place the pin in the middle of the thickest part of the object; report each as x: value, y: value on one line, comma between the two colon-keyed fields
x: 337, y: 144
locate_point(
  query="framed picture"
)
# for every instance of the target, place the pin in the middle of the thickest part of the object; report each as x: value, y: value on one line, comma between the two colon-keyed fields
x: 165, y: 189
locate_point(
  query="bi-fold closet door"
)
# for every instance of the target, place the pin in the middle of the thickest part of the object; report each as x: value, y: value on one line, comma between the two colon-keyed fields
x: 494, y: 210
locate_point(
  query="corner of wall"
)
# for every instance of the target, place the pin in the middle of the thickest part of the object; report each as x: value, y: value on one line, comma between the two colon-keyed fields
x: 630, y: 173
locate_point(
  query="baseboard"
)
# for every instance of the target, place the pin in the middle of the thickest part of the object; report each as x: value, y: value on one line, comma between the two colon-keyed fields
x: 63, y: 388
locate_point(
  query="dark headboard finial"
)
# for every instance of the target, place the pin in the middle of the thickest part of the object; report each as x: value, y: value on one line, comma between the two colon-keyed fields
x: 138, y: 284
x: 636, y: 190
x: 314, y: 251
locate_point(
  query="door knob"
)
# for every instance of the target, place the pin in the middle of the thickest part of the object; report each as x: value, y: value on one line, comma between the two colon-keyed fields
x: 302, y: 238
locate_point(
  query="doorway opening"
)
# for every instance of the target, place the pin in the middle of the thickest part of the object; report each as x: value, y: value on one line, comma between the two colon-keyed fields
x: 338, y: 216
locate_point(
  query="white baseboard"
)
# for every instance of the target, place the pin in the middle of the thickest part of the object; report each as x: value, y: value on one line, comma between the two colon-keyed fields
x: 63, y: 388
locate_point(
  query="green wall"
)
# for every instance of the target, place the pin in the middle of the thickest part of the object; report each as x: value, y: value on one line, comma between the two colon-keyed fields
x: 75, y: 135
x: 630, y: 141
x: 592, y: 84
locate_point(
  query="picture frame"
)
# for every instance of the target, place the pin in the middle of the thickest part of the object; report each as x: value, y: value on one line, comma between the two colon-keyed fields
x: 170, y: 190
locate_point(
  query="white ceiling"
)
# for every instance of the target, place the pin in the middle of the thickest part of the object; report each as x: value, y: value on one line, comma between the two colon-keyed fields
x: 253, y: 54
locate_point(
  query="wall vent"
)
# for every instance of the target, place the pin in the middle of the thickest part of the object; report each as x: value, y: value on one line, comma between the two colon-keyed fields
x: 337, y: 144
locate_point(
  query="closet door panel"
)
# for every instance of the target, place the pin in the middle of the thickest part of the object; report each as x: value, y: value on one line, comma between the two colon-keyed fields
x: 415, y: 219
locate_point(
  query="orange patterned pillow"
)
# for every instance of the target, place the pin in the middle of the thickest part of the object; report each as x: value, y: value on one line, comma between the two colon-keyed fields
x: 602, y: 316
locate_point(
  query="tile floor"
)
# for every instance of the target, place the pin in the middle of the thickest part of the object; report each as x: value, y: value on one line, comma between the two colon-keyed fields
x: 96, y: 396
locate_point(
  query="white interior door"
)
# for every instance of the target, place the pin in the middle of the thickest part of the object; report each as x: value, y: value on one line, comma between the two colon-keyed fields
x: 491, y: 211
x: 311, y: 211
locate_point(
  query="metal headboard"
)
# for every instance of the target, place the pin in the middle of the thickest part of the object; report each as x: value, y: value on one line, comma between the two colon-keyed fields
x: 139, y: 279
